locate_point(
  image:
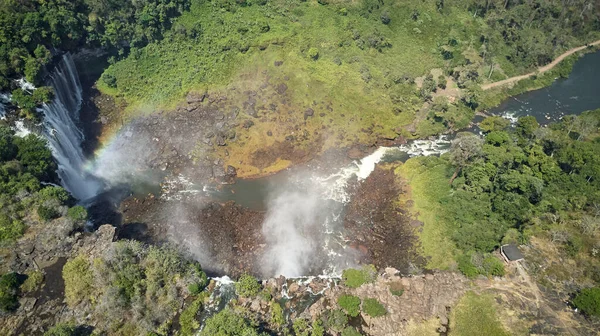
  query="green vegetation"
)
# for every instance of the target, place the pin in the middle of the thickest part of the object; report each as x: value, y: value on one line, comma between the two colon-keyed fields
x: 350, y: 331
x: 228, y: 323
x: 9, y: 286
x: 493, y: 97
x: 277, y: 318
x: 24, y: 164
x: 473, y: 264
x: 301, y: 327
x: 77, y: 213
x: 337, y: 320
x: 33, y: 282
x: 476, y: 315
x: 317, y: 328
x: 503, y: 186
x: 131, y: 279
x: 247, y: 286
x: 350, y: 303
x: 373, y: 308
x: 187, y: 320
x: 29, y: 29
x: 355, y: 278
x: 62, y: 329
x: 588, y: 300
x: 78, y: 280
x: 428, y: 181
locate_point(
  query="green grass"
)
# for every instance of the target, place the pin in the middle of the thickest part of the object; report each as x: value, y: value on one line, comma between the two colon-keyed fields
x: 428, y: 180
x: 229, y: 53
x: 475, y: 315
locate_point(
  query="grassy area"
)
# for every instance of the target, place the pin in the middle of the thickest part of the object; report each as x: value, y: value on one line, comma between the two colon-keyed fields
x: 476, y: 315
x: 428, y: 178
x: 360, y: 85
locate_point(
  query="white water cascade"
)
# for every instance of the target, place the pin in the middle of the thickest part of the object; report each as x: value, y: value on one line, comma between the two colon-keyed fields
x: 61, y: 119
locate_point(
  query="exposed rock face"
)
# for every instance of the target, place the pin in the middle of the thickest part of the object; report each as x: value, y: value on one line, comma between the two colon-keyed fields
x: 424, y: 297
x: 44, y: 308
x: 378, y: 227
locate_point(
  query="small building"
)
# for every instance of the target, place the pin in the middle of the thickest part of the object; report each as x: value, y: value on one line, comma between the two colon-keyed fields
x: 511, y: 253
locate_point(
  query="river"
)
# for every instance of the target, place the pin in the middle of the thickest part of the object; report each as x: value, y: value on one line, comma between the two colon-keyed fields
x: 578, y: 93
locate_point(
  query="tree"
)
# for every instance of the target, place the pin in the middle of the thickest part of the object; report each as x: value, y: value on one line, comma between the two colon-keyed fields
x: 494, y: 123
x: 9, y: 285
x: 228, y: 323
x: 8, y: 150
x: 62, y: 329
x: 350, y: 303
x: 462, y: 150
x: 247, y: 286
x: 588, y: 300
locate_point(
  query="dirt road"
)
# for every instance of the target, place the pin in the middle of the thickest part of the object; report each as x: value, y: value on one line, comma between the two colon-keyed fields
x: 539, y: 70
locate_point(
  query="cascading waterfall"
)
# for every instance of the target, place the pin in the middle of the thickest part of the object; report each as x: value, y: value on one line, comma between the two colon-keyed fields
x: 61, y: 119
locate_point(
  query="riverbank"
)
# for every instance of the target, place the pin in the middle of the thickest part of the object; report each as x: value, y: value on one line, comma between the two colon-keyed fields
x: 540, y: 70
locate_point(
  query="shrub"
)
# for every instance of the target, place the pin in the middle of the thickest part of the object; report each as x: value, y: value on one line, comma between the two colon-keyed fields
x: 77, y: 213
x: 442, y: 82
x: 385, y: 18
x: 78, y: 280
x: 373, y: 308
x: 493, y: 266
x: 54, y: 193
x: 10, y: 229
x: 588, y: 301
x: 350, y: 303
x: 187, y: 319
x: 313, y: 53
x: 317, y: 328
x: 43, y: 94
x: 350, y: 331
x: 62, y: 329
x: 354, y: 278
x: 247, y: 286
x: 300, y: 327
x: 9, y: 284
x: 337, y: 320
x: 109, y: 80
x: 228, y: 323
x: 33, y: 281
x: 47, y: 213
x: 277, y: 318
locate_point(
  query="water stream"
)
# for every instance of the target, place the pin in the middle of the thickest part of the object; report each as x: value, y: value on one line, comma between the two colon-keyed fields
x: 63, y: 132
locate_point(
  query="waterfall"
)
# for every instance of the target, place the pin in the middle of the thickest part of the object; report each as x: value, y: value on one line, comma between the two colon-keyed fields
x: 61, y: 129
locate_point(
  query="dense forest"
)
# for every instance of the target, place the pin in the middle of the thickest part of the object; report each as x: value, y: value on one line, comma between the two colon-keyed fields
x: 32, y: 31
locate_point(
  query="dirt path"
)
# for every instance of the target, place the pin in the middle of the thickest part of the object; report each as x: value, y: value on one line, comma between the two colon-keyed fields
x: 539, y: 70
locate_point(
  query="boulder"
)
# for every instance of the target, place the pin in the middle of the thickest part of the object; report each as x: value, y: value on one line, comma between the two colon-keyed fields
x: 308, y: 113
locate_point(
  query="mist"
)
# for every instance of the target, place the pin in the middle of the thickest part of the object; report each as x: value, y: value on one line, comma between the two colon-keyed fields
x: 291, y: 229
x: 126, y: 159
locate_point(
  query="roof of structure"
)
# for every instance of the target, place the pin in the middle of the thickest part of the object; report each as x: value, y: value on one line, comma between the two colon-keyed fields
x: 511, y: 251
